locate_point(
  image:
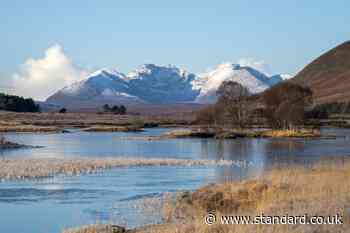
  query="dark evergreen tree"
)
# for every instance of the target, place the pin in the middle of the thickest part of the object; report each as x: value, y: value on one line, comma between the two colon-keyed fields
x: 106, y: 108
x: 18, y: 104
x: 116, y: 109
x: 122, y: 110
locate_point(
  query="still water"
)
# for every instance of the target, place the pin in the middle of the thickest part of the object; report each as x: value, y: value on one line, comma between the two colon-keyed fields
x: 123, y: 195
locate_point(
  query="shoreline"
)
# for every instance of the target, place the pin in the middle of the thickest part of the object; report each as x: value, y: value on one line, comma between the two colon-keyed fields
x: 280, y: 191
x: 240, y: 133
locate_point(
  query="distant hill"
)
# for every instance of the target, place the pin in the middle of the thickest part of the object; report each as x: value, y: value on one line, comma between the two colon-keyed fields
x: 329, y: 75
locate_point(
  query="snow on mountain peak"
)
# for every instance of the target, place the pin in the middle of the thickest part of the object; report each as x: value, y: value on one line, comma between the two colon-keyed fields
x: 106, y: 72
x: 286, y: 76
x: 160, y: 72
x: 163, y: 84
x: 209, y: 82
x: 159, y: 84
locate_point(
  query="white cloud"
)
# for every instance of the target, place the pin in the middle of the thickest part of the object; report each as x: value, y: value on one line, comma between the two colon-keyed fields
x: 39, y: 78
x: 261, y: 66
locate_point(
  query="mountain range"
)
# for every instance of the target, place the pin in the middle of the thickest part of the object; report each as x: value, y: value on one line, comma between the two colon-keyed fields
x: 154, y: 84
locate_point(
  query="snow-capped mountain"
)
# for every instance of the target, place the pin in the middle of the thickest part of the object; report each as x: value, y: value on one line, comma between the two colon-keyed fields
x: 101, y: 86
x: 148, y: 83
x: 162, y: 84
x: 155, y: 84
x: 254, y: 80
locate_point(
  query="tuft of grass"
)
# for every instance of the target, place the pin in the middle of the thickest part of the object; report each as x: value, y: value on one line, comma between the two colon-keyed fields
x: 291, y: 133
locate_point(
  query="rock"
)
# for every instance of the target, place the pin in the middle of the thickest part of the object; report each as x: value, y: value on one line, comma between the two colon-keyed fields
x: 65, y: 131
x: 150, y: 125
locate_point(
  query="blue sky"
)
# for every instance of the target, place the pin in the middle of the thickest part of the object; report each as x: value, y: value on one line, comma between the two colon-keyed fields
x: 190, y: 34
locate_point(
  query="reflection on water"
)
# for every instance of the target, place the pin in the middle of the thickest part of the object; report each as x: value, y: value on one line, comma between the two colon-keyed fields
x: 112, y: 195
x: 84, y: 144
x: 104, y: 197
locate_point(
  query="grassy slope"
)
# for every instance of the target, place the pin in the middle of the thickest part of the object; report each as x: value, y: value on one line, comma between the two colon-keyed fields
x: 329, y: 75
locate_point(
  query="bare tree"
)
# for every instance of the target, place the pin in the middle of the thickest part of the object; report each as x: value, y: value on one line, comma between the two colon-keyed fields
x: 284, y: 105
x: 209, y: 116
x: 233, y: 97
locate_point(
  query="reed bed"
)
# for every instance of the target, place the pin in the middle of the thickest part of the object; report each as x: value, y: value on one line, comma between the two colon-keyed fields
x: 33, y: 168
x: 29, y: 129
x: 322, y: 190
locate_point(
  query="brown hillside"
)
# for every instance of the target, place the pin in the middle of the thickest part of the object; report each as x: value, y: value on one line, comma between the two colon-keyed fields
x: 329, y: 75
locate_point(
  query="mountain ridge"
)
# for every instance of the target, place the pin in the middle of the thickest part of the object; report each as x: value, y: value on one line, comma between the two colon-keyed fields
x: 328, y: 76
x: 154, y: 84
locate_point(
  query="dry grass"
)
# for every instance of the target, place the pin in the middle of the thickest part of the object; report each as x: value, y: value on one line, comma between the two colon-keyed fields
x: 101, y: 128
x: 323, y: 190
x: 29, y: 129
x: 178, y: 133
x: 98, y: 228
x: 21, y: 168
x: 238, y: 133
x: 83, y: 120
x: 185, y: 133
x: 291, y: 133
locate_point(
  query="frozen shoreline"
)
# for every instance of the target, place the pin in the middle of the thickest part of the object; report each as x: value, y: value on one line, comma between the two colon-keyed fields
x: 35, y: 168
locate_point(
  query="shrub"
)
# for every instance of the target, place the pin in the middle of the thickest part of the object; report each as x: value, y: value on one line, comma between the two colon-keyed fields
x: 63, y: 110
x: 120, y: 110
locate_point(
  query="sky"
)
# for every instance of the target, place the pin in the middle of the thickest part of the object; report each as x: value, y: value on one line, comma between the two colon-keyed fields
x: 53, y: 43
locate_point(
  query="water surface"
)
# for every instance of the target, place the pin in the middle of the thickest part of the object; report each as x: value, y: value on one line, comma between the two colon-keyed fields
x: 50, y: 205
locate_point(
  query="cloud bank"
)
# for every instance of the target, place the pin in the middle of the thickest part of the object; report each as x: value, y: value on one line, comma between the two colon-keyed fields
x: 40, y: 78
x: 261, y: 66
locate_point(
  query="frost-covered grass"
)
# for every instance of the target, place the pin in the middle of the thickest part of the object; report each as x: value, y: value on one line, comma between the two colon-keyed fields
x: 33, y: 168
